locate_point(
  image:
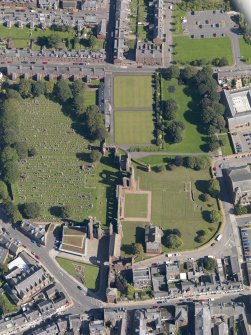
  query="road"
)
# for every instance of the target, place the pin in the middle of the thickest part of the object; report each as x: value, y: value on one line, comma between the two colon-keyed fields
x: 81, y: 301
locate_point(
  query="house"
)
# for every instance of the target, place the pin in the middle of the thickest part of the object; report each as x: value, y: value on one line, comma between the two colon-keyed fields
x: 239, y: 181
x: 21, y: 286
x: 33, y: 231
x: 153, y: 235
x: 48, y: 4
x: 68, y: 4
x: 141, y: 278
x: 6, y: 241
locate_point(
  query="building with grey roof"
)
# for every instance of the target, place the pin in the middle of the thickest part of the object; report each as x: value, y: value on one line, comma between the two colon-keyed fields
x: 153, y: 236
x: 141, y: 278
x: 237, y: 107
x: 22, y: 286
x: 34, y: 231
x: 149, y: 53
x: 6, y: 241
x: 48, y: 4
x: 158, y: 32
x: 3, y: 255
x: 239, y: 181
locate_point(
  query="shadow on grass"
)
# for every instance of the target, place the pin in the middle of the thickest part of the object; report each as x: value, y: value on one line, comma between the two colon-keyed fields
x: 206, y: 216
x: 202, y: 185
x: 127, y: 249
x: 140, y: 235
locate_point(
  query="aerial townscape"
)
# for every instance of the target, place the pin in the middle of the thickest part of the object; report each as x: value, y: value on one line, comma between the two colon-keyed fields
x: 125, y: 167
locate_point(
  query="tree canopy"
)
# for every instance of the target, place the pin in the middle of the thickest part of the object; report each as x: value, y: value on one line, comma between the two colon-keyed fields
x: 31, y: 210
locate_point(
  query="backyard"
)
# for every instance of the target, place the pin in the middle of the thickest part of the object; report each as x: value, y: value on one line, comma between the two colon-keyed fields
x: 187, y: 49
x: 133, y: 127
x: 133, y: 91
x: 53, y: 177
x: 85, y: 273
x: 175, y: 204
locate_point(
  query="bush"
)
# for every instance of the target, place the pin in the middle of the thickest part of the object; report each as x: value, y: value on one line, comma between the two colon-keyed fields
x: 95, y: 156
x: 209, y: 263
x: 240, y: 210
x: 178, y: 161
x: 159, y: 168
x: 32, y: 152
x: 215, y: 216
x: 31, y: 210
x: 204, y: 197
x: 176, y: 232
x: 173, y: 241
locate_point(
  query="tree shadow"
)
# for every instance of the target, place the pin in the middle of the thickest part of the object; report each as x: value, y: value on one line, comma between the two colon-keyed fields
x: 206, y: 216
x: 56, y: 211
x: 140, y: 235
x: 202, y: 186
x: 83, y: 156
x: 127, y: 249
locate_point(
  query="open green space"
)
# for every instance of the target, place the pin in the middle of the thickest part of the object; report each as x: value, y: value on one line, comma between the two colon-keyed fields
x: 86, y: 273
x: 53, y: 177
x: 175, y: 204
x: 227, y: 148
x: 6, y: 306
x: 193, y: 140
x: 188, y: 49
x: 90, y: 97
x: 245, y: 50
x: 133, y: 232
x: 136, y: 205
x: 133, y: 91
x: 133, y: 127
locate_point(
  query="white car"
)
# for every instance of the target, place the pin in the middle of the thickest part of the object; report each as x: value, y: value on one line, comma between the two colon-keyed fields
x: 177, y: 254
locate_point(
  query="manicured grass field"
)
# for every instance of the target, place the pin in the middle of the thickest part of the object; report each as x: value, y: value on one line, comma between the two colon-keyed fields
x: 193, y: 140
x: 54, y: 176
x: 173, y: 204
x: 88, y: 274
x: 245, y: 51
x: 187, y: 49
x: 90, y: 97
x: 133, y: 127
x: 136, y: 205
x: 133, y: 91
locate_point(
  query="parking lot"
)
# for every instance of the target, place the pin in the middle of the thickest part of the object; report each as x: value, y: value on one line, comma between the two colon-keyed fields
x: 242, y: 141
x: 207, y: 24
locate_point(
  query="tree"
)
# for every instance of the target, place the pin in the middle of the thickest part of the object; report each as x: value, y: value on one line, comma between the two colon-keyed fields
x: 78, y: 104
x: 62, y: 90
x: 4, y: 194
x: 209, y: 263
x: 77, y: 87
x: 178, y: 160
x: 215, y: 216
x: 49, y: 87
x: 159, y: 168
x: 213, y: 143
x: 12, y: 211
x: 8, y: 154
x: 138, y: 249
x: 95, y: 156
x: 173, y: 72
x: 66, y: 211
x: 21, y: 149
x: 53, y: 41
x: 170, y: 109
x: 213, y: 188
x: 223, y: 61
x: 173, y: 241
x: 173, y: 131
x: 38, y: 88
x: 240, y: 210
x: 10, y: 172
x: 95, y: 123
x: 176, y: 232
x: 32, y: 152
x: 130, y: 290
x: 187, y: 73
x: 31, y: 210
x: 25, y: 88
x: 197, y: 163
x: 12, y: 94
x: 92, y: 41
x: 200, y: 238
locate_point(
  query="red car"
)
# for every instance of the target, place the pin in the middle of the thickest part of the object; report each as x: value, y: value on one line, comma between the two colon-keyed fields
x: 37, y: 257
x: 24, y: 246
x: 45, y: 62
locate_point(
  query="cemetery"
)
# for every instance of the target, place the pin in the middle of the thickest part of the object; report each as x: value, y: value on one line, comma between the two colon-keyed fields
x: 54, y: 176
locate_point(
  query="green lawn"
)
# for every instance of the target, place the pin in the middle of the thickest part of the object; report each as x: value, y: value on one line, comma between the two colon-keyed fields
x: 54, y: 176
x: 7, y: 307
x: 173, y: 204
x: 136, y: 205
x: 90, y: 98
x: 133, y: 91
x: 226, y: 149
x: 193, y: 140
x: 187, y: 49
x: 133, y: 127
x: 86, y: 273
x: 245, y: 51
x: 133, y: 232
